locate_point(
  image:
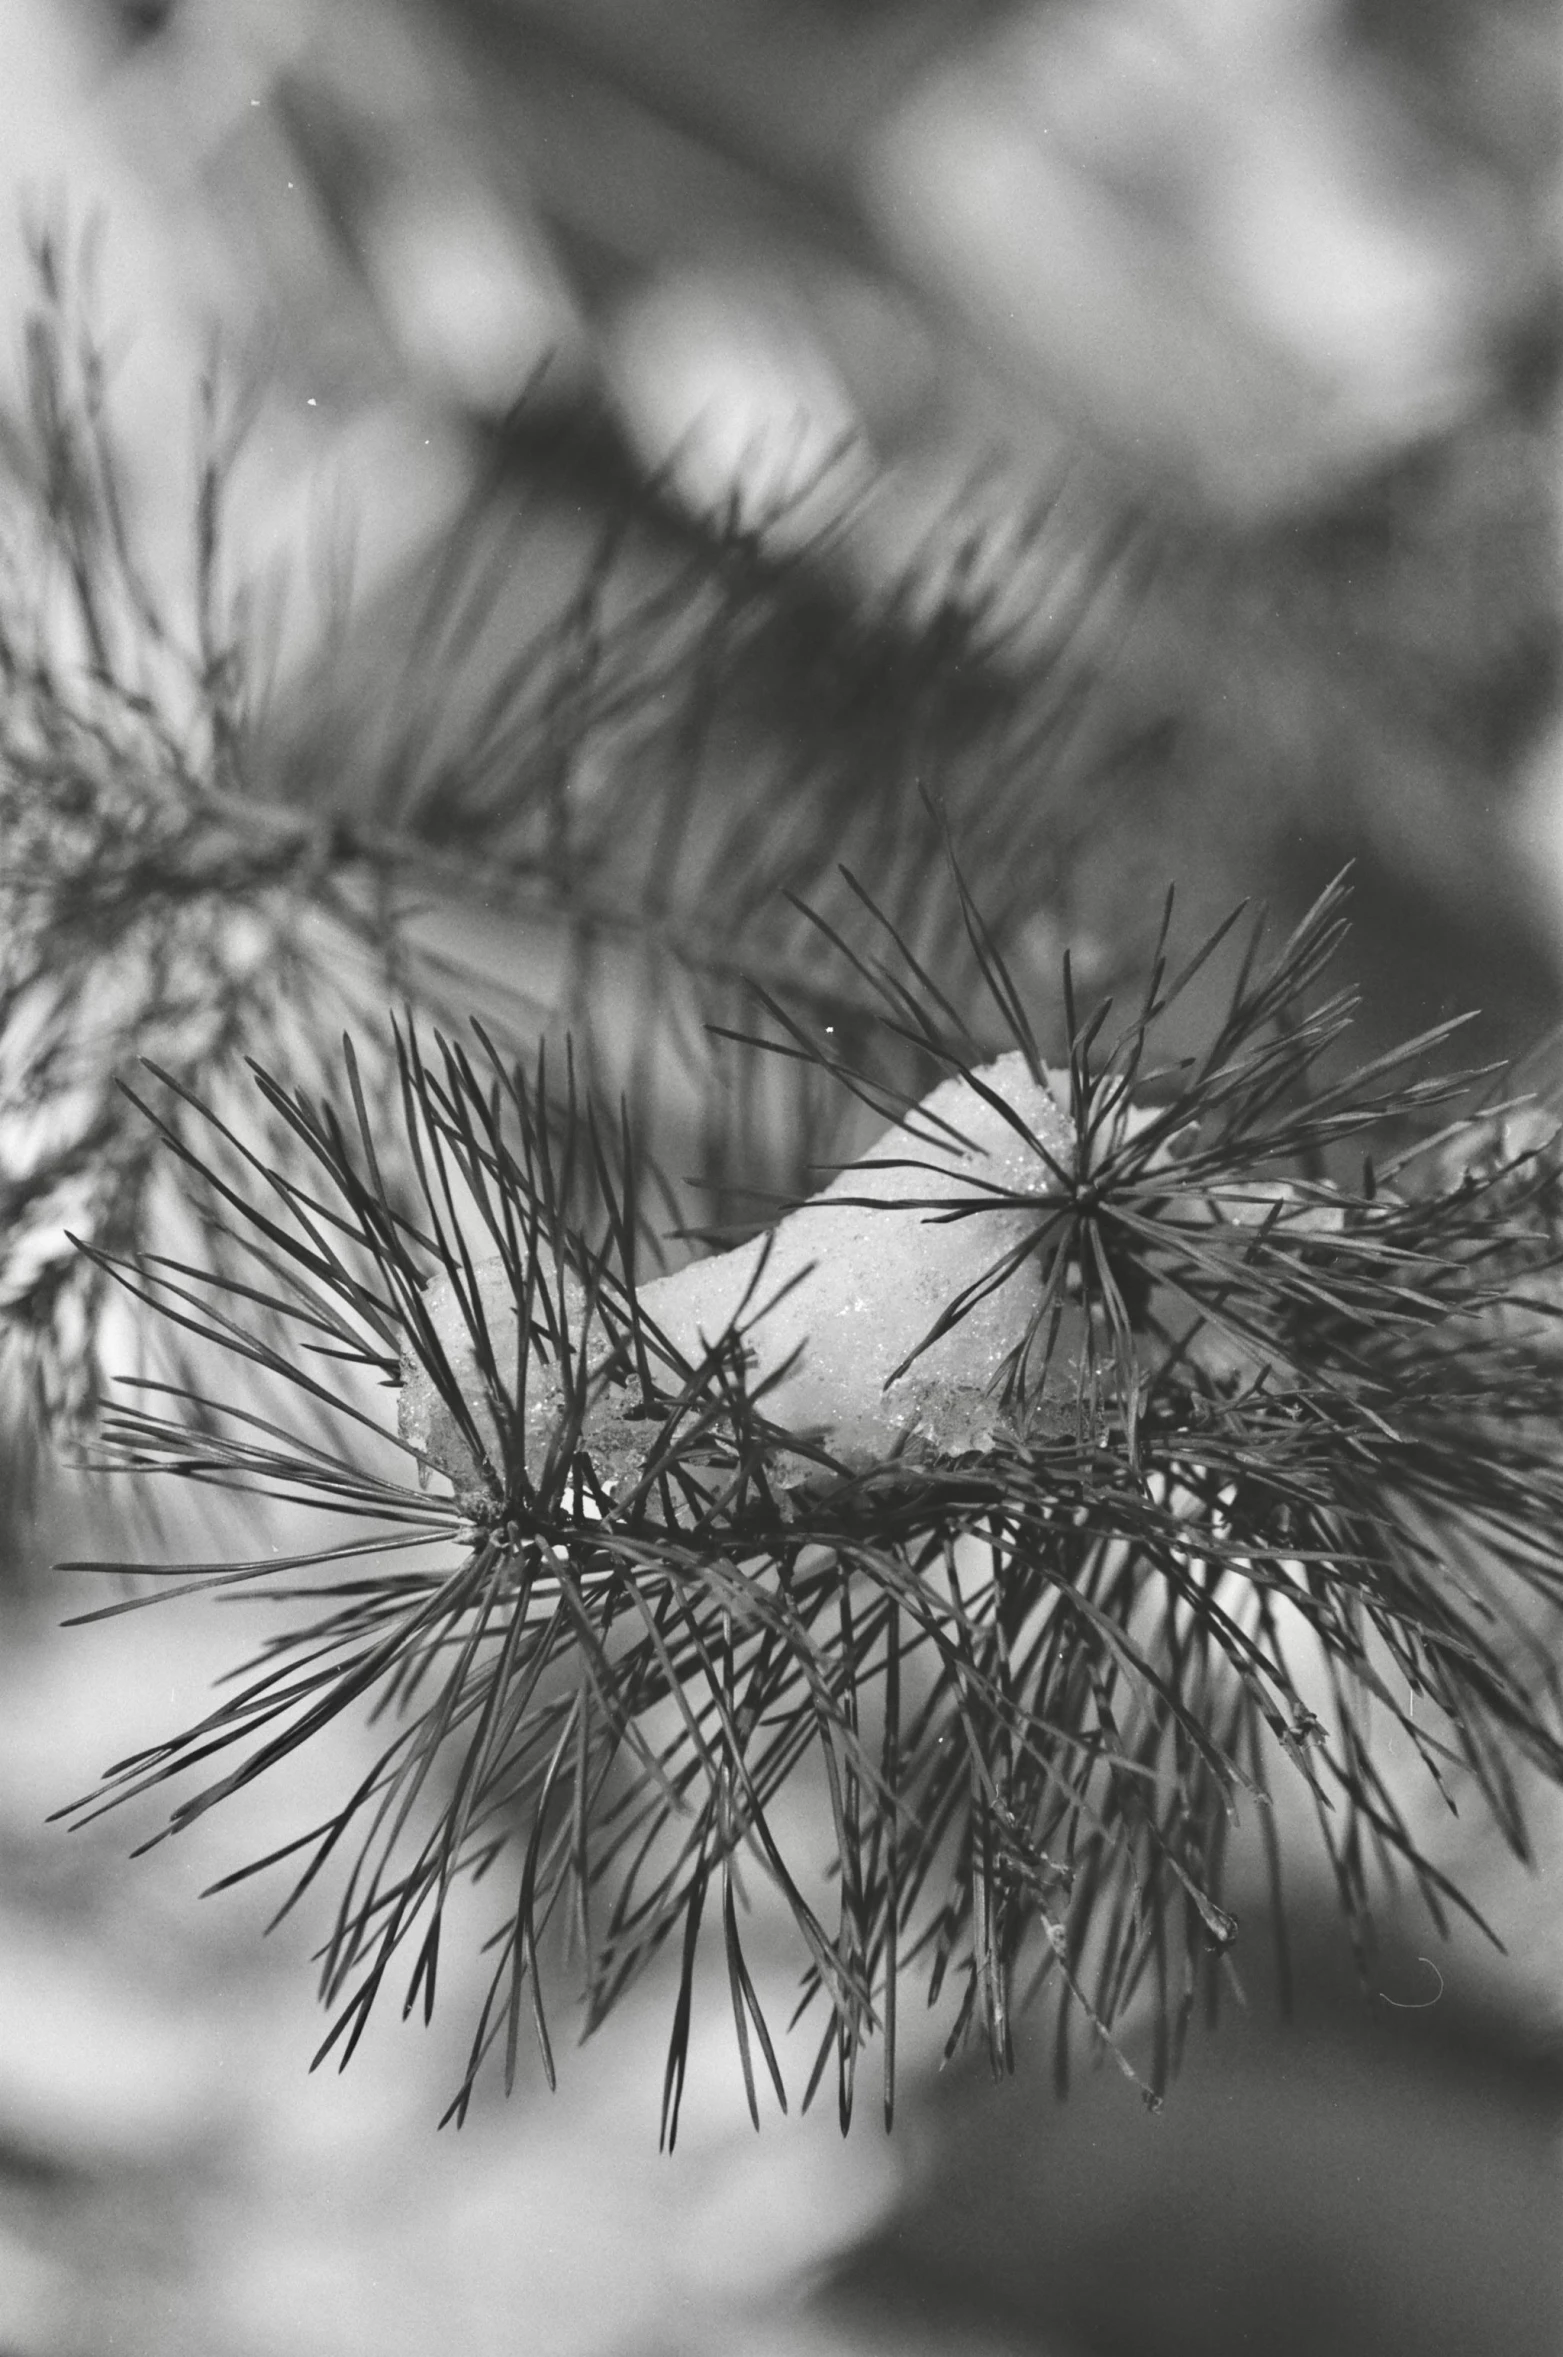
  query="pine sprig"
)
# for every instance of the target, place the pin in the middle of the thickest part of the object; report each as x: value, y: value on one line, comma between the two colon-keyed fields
x: 1266, y: 1448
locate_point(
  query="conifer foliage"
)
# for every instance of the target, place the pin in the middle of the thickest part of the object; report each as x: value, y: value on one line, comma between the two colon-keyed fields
x: 1274, y: 1441
x: 1267, y: 1441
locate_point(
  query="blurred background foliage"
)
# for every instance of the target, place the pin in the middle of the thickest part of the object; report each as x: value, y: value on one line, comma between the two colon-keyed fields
x: 1151, y: 409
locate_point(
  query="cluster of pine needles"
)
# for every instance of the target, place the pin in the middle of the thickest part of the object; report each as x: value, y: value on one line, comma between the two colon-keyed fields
x: 1277, y: 1448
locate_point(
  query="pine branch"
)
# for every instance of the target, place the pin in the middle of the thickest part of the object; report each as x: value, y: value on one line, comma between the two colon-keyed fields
x: 1037, y: 1606
x: 1156, y: 1427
